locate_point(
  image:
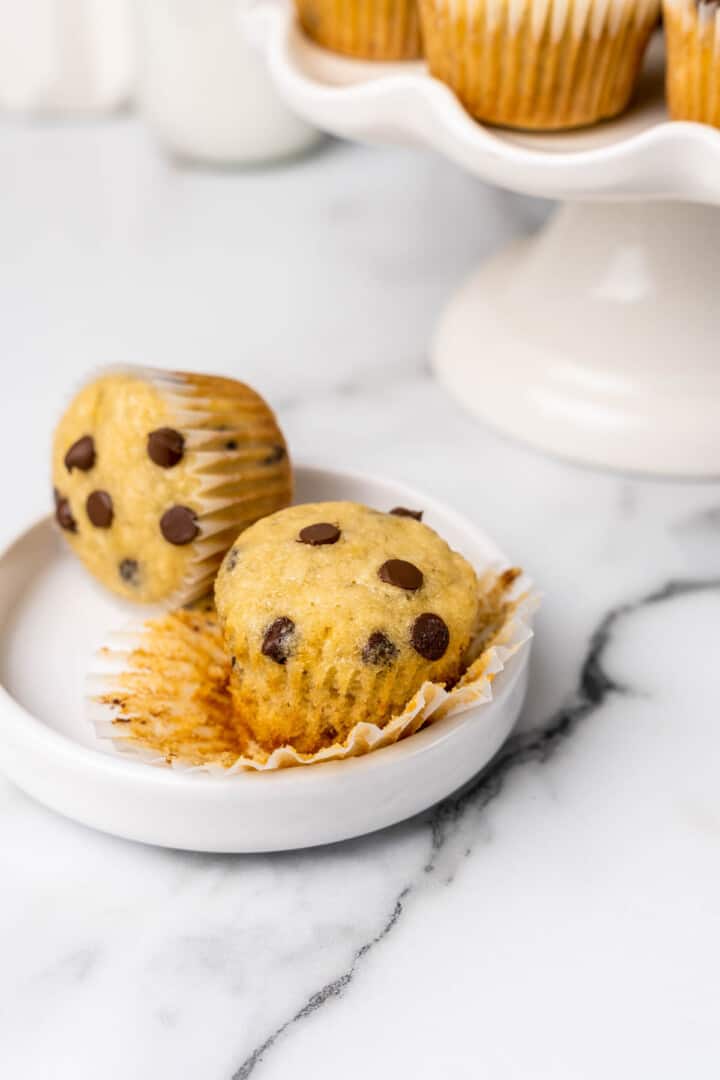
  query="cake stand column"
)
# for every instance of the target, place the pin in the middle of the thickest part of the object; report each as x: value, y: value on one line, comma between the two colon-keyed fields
x: 599, y: 338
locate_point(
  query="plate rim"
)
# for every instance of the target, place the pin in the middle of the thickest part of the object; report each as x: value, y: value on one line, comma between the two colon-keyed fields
x: 379, y: 104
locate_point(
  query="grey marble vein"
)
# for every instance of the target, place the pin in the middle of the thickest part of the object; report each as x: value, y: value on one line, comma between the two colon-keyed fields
x: 594, y: 688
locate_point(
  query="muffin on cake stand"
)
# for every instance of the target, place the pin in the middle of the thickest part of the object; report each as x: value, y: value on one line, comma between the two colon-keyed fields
x: 596, y: 338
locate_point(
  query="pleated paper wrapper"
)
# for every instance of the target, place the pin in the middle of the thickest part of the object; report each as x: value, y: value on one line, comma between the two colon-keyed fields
x: 160, y: 690
x: 364, y: 29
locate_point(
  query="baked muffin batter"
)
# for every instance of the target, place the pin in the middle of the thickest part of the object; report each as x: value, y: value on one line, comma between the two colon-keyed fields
x: 334, y: 614
x: 155, y: 474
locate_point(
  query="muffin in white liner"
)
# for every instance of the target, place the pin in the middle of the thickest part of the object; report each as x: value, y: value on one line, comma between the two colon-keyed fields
x: 692, y: 35
x: 160, y: 691
x: 155, y: 473
x: 540, y: 65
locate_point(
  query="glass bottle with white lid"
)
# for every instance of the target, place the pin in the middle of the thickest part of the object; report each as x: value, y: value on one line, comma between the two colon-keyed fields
x: 203, y: 89
x: 65, y: 56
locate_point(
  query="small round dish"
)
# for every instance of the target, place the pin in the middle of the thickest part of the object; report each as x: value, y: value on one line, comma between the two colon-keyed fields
x: 52, y: 617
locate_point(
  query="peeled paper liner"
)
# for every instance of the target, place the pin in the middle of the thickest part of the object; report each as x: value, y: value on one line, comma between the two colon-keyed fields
x: 161, y: 690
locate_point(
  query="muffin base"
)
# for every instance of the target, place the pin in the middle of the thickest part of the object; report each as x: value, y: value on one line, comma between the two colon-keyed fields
x: 692, y: 32
x: 365, y: 29
x: 557, y: 66
x: 161, y: 692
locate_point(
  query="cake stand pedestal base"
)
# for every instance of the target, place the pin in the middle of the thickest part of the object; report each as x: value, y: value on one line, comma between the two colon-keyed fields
x: 599, y: 338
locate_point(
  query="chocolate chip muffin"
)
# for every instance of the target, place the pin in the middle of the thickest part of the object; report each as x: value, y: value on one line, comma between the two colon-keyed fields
x: 156, y: 473
x: 692, y: 35
x: 539, y: 65
x: 335, y: 614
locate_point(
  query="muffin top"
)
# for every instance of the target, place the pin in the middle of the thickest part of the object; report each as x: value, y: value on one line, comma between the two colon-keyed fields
x: 338, y: 585
x: 124, y: 492
x: 155, y: 475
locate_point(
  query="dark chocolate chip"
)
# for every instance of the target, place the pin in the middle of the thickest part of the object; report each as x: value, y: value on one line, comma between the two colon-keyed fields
x: 317, y: 535
x: 81, y: 454
x: 231, y: 560
x: 379, y: 649
x: 404, y: 575
x: 276, y: 454
x: 99, y: 508
x: 430, y: 636
x: 231, y: 444
x: 277, y: 642
x: 165, y: 447
x: 402, y: 511
x: 129, y: 571
x: 63, y: 515
x: 179, y: 525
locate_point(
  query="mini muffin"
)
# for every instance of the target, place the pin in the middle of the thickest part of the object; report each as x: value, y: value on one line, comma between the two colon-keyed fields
x: 156, y: 473
x: 539, y: 64
x: 335, y: 614
x: 692, y: 31
x: 366, y: 29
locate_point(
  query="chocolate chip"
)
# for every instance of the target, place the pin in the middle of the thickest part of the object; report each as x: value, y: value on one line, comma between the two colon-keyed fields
x: 81, y: 454
x: 276, y: 454
x: 402, y: 511
x: 231, y: 444
x: 179, y: 525
x: 317, y: 535
x: 379, y: 649
x: 63, y: 515
x: 129, y: 571
x: 277, y: 641
x: 231, y: 560
x: 430, y: 636
x: 99, y: 508
x: 165, y: 447
x: 404, y: 575
x: 56, y: 497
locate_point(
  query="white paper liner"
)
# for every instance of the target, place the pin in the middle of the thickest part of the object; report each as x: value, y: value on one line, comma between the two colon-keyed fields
x: 431, y: 702
x: 538, y: 64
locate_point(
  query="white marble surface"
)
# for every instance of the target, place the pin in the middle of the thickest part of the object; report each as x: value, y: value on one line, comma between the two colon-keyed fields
x: 559, y: 919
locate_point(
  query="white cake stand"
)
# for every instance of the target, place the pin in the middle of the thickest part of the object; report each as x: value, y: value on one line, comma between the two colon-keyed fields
x: 597, y: 339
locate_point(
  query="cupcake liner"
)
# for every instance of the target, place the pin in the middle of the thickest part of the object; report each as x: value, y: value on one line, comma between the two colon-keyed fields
x: 233, y: 488
x: 160, y: 692
x: 538, y: 64
x: 365, y: 29
x: 692, y: 31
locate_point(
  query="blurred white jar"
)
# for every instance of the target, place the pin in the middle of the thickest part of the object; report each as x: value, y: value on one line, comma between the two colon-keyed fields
x: 65, y: 55
x: 205, y: 91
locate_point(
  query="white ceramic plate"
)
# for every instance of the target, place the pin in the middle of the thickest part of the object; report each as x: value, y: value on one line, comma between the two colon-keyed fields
x: 52, y: 617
